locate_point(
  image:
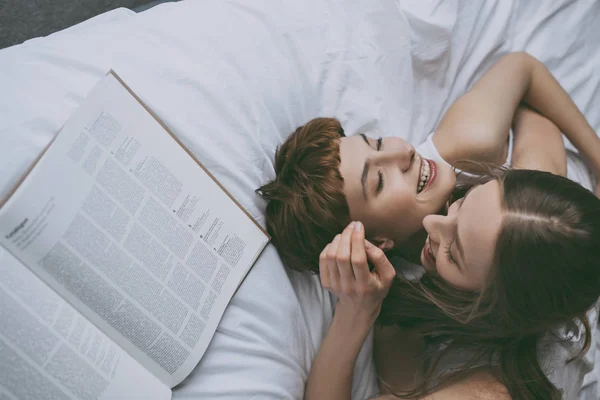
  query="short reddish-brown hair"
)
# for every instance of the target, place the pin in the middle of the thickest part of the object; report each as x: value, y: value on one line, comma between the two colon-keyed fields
x: 306, y: 205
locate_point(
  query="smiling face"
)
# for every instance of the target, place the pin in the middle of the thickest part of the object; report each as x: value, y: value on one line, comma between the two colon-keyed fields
x: 390, y: 188
x: 460, y: 247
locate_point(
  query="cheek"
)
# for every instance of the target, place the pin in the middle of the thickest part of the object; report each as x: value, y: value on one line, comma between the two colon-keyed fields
x: 391, y: 215
x: 454, y: 277
x: 399, y: 200
x: 402, y: 210
x: 451, y: 275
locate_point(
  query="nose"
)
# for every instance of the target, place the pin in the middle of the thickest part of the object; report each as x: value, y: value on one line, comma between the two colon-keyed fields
x: 401, y: 154
x: 438, y: 227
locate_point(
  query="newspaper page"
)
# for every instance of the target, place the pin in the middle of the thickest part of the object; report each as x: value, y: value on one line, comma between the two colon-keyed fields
x: 124, y: 224
x: 50, y: 351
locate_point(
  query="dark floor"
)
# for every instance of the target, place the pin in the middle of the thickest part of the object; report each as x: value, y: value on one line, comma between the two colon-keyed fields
x: 21, y: 20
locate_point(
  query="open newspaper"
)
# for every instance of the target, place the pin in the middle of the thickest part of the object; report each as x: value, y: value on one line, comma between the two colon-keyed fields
x: 121, y: 255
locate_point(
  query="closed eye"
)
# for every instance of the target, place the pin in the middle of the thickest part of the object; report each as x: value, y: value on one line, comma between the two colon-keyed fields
x: 380, y: 174
x: 448, y: 252
x: 379, y: 183
x: 448, y: 246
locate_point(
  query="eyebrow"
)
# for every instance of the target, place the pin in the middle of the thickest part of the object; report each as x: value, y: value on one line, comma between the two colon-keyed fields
x: 362, y: 135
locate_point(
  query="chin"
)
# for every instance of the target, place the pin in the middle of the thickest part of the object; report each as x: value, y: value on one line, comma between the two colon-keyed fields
x: 447, y: 182
x: 444, y: 195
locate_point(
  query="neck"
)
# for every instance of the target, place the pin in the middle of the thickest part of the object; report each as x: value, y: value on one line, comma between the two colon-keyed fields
x: 412, y: 247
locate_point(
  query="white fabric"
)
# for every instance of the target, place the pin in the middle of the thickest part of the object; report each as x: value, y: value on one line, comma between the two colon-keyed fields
x: 232, y: 79
x: 428, y: 150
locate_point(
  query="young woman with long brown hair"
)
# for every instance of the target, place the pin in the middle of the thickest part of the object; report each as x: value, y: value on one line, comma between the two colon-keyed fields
x: 528, y: 243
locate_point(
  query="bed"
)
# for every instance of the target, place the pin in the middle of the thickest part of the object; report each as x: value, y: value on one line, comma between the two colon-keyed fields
x: 233, y: 78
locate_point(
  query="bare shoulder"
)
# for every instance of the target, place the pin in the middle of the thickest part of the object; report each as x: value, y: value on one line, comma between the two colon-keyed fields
x: 480, y: 385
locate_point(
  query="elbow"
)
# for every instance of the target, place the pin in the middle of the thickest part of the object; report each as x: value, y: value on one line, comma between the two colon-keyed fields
x: 520, y: 55
x: 522, y: 58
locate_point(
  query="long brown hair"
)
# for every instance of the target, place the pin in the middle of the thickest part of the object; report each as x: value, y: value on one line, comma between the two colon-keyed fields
x: 547, y: 251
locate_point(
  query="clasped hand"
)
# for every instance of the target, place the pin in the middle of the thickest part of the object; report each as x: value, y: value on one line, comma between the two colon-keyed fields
x: 344, y: 271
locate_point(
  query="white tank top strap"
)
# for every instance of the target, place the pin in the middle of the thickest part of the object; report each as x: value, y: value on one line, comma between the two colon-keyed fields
x: 510, y: 148
x: 428, y: 150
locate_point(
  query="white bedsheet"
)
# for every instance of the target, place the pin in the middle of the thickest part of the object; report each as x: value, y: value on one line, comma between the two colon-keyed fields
x: 233, y: 78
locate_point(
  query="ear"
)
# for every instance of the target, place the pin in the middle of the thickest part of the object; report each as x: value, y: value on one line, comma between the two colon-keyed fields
x: 383, y: 243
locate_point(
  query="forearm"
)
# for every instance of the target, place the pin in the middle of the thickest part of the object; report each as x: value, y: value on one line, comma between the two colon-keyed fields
x: 538, y: 143
x: 331, y: 373
x: 344, y: 271
x: 545, y: 94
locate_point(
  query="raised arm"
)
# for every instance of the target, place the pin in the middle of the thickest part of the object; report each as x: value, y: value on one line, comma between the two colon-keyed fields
x: 538, y: 143
x: 481, y: 118
x: 344, y: 271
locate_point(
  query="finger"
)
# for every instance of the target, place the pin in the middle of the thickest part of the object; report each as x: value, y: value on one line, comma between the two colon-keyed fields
x: 382, y: 266
x: 324, y: 268
x: 343, y: 258
x: 334, y: 274
x: 358, y: 255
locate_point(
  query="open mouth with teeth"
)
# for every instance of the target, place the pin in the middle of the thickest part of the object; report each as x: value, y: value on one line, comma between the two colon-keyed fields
x: 426, y: 174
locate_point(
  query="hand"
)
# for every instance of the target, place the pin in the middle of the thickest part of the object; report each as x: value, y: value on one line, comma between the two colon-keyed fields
x: 345, y: 272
